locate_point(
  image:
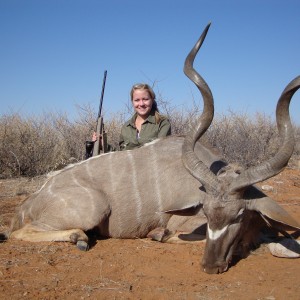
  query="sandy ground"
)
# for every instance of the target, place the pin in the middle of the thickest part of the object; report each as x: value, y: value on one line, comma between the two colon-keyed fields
x: 141, y: 268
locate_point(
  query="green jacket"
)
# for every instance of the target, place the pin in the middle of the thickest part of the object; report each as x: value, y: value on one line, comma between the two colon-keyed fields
x: 149, y: 132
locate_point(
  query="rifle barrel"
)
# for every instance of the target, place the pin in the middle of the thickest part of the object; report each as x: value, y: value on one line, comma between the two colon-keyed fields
x: 102, y: 94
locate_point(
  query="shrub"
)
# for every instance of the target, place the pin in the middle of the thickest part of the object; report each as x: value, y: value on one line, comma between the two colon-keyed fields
x: 36, y: 145
x: 248, y: 141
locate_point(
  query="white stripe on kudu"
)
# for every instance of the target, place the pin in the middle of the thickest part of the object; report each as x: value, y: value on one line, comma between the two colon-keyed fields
x: 89, y: 171
x: 215, y: 234
x: 87, y: 191
x: 114, y: 186
x: 135, y: 186
x: 157, y: 185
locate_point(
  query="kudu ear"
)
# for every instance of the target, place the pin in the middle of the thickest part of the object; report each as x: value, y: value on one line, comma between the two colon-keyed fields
x: 270, y: 209
x: 186, y: 211
x: 189, y: 207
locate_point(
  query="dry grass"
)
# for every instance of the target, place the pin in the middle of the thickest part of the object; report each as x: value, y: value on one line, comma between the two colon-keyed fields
x: 20, y: 186
x: 35, y: 145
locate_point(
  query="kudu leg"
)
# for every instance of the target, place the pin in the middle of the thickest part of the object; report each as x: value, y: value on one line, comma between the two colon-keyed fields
x: 32, y: 233
x: 181, y: 230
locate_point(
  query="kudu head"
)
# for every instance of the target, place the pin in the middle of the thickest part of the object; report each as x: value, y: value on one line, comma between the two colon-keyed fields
x: 232, y: 205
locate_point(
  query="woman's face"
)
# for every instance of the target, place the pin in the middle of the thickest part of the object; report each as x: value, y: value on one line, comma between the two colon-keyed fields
x: 142, y: 102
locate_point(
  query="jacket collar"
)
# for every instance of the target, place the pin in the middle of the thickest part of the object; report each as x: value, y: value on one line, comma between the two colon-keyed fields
x: 150, y: 119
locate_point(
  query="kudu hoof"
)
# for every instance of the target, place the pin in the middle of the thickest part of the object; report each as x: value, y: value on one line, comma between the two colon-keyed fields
x: 82, y: 245
x: 286, y: 248
x: 160, y: 234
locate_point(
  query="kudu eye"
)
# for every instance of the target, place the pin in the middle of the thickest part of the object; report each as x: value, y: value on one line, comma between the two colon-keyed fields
x: 222, y: 172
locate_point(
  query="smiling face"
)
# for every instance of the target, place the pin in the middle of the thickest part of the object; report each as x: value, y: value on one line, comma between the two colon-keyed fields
x: 142, y: 102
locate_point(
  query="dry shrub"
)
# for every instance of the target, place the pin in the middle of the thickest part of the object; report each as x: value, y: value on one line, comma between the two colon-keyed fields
x: 36, y: 145
x: 295, y: 159
x: 113, y: 129
x: 244, y: 139
x: 29, y: 146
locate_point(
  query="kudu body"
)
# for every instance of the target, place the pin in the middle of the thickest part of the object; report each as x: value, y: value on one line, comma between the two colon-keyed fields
x: 123, y: 194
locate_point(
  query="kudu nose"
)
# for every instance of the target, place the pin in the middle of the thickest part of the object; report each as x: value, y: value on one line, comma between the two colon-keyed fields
x: 215, y: 269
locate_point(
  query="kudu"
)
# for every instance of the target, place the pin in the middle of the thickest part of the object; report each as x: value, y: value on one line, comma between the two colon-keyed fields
x: 128, y: 194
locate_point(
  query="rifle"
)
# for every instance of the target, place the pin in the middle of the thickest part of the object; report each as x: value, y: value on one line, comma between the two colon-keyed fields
x: 93, y: 148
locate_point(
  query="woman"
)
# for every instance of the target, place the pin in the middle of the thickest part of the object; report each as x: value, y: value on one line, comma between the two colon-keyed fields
x: 147, y: 124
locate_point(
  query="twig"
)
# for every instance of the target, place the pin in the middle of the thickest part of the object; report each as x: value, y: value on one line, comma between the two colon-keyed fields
x: 17, y: 162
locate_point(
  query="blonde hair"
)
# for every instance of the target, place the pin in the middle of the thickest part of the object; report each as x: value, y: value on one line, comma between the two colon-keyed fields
x: 146, y: 87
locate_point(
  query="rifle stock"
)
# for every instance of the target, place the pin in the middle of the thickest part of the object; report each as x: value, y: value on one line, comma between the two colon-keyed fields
x: 100, y: 145
x: 96, y: 148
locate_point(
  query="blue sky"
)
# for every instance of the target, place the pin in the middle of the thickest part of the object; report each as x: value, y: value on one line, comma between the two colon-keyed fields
x: 53, y: 53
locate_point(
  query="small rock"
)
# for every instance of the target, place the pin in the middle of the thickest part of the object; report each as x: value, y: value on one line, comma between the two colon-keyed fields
x: 279, y: 181
x: 267, y: 188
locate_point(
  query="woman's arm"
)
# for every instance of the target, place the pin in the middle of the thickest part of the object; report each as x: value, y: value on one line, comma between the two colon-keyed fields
x: 165, y: 128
